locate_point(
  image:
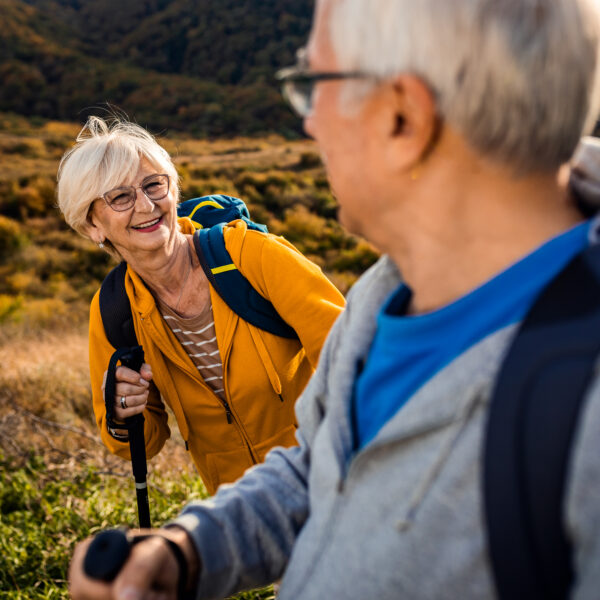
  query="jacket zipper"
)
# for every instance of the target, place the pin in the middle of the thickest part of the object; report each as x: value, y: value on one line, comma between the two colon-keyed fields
x: 228, y: 412
x: 231, y: 419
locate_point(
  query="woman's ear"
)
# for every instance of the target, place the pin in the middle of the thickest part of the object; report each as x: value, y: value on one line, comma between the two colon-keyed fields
x: 91, y: 228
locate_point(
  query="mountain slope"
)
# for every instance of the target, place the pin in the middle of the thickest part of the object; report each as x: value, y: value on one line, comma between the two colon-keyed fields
x: 203, y: 66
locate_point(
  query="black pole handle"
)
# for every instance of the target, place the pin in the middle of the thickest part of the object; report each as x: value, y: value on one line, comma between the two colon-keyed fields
x: 132, y: 358
x: 106, y: 554
x: 110, y: 549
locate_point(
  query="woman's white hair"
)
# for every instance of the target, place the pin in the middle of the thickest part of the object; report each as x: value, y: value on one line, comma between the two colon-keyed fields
x: 517, y: 78
x: 107, y: 154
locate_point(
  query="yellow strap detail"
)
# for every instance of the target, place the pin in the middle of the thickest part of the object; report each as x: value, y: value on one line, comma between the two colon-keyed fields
x: 205, y: 203
x: 224, y: 268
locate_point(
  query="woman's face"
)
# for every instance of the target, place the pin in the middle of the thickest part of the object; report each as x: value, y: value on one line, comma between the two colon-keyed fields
x: 147, y: 226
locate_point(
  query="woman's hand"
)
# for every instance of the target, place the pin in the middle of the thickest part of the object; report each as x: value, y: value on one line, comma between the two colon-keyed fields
x: 131, y: 391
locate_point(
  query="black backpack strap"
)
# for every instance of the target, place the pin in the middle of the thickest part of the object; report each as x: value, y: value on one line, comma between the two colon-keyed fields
x: 233, y: 287
x: 115, y: 309
x: 533, y: 414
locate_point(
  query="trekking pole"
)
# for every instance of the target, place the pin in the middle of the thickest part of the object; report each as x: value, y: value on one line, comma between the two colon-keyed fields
x: 106, y: 554
x: 110, y: 549
x: 132, y: 358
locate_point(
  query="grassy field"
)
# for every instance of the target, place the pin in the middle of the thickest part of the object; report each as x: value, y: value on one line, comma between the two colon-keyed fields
x: 58, y: 484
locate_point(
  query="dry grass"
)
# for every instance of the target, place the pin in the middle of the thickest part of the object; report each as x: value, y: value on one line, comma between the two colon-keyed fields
x: 45, y: 406
x: 239, y: 151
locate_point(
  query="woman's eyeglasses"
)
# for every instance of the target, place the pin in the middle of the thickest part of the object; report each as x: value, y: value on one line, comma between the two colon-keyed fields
x: 298, y: 83
x: 155, y: 187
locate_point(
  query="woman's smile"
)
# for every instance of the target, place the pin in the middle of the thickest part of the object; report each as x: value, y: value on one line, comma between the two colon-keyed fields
x: 149, y: 226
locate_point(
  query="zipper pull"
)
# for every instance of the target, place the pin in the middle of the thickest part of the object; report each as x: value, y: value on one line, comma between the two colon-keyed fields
x: 227, y: 412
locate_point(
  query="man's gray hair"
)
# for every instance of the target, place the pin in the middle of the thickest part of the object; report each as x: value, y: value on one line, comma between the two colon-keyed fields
x: 517, y: 78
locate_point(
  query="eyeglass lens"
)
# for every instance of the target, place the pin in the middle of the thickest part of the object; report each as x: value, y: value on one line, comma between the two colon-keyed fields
x: 155, y: 187
x: 299, y: 94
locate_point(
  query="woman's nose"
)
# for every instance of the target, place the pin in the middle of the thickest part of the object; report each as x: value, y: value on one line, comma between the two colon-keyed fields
x: 142, y: 202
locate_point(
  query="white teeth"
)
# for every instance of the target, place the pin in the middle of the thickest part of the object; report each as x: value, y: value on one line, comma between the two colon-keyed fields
x: 145, y: 225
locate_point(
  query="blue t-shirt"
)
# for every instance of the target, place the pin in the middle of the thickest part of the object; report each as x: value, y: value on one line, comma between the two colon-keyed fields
x: 408, y: 350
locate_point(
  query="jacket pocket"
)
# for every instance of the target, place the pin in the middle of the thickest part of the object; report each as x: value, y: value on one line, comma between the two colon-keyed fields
x: 226, y: 467
x: 286, y: 438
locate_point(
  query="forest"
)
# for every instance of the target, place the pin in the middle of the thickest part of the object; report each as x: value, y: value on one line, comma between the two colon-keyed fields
x: 204, y: 67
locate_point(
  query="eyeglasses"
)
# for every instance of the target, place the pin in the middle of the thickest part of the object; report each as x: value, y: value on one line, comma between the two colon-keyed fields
x: 298, y: 83
x: 155, y: 187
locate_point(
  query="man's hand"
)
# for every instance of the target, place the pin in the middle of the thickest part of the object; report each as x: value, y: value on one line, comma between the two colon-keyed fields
x: 151, y: 571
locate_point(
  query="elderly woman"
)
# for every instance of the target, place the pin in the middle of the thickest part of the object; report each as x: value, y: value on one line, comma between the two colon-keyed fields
x: 231, y: 386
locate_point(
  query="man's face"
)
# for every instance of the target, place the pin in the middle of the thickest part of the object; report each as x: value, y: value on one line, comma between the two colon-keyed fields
x: 342, y: 138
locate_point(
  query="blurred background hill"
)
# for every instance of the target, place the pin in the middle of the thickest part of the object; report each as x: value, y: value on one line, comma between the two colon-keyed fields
x: 201, y: 66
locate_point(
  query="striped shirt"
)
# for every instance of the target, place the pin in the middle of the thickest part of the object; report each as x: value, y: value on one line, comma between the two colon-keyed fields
x: 198, y: 338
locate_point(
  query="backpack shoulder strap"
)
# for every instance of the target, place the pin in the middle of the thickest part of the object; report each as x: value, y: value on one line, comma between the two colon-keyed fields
x: 233, y: 287
x: 532, y: 418
x: 115, y: 309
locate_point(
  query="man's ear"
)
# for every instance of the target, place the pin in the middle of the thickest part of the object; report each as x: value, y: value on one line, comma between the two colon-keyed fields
x: 412, y: 123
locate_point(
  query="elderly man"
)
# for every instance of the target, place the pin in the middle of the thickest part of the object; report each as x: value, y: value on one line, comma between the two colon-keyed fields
x: 443, y: 126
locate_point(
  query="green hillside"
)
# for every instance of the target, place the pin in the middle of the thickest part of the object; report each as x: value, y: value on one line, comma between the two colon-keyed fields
x: 205, y: 66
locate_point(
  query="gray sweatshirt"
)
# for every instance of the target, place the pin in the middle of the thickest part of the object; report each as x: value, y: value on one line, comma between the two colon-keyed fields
x: 401, y: 518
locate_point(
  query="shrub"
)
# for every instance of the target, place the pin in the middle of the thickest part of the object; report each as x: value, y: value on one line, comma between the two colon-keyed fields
x: 9, y: 201
x: 212, y: 185
x: 357, y: 259
x: 309, y: 160
x: 301, y: 225
x: 36, y: 196
x: 31, y: 148
x: 23, y: 282
x: 12, y: 237
x: 35, y: 314
x: 10, y: 307
x: 47, y: 312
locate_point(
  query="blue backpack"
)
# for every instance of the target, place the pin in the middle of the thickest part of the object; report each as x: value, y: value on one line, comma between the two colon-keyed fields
x: 209, y: 214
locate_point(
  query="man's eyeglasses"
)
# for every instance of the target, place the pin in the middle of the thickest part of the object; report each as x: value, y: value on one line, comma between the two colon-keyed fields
x: 298, y: 83
x: 155, y: 187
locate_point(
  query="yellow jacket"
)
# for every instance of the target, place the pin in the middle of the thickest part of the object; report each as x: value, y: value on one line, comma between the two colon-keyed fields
x: 263, y: 374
